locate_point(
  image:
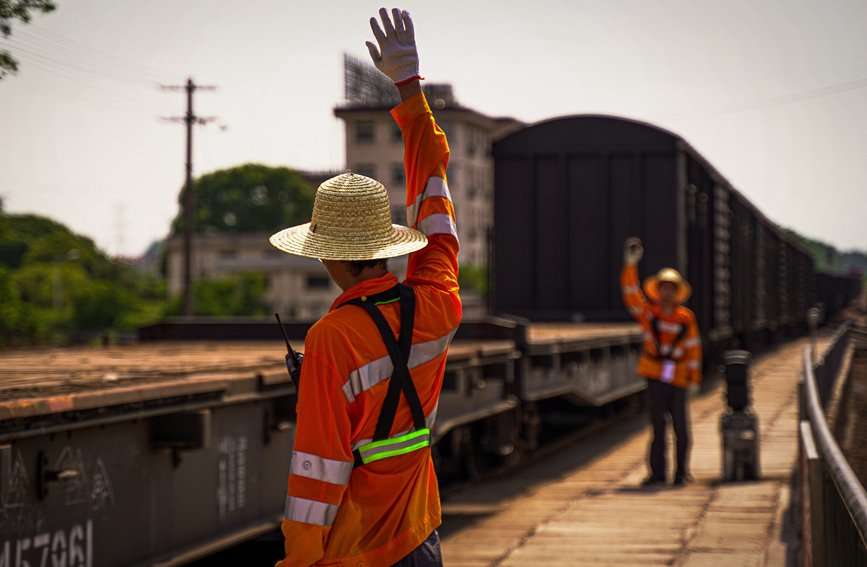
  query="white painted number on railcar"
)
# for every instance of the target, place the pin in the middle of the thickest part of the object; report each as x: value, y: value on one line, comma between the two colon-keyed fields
x: 62, y: 548
x: 231, y: 474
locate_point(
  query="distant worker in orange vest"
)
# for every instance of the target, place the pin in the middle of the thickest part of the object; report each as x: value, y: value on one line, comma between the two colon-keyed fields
x: 671, y: 360
x: 362, y: 488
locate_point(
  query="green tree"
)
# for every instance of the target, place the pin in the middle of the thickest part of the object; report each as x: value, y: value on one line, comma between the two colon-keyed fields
x: 248, y: 198
x: 17, y: 10
x: 100, y: 305
x: 35, y: 282
x: 474, y: 278
x: 242, y: 295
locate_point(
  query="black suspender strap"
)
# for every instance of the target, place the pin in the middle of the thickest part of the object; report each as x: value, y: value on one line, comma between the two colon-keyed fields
x: 399, y: 351
x: 655, y: 329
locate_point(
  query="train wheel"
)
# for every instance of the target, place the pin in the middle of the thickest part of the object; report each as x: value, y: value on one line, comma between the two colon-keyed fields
x: 472, y: 455
x: 531, y: 426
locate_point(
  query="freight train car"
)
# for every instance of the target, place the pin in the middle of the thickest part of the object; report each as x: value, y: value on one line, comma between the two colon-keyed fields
x: 498, y: 372
x: 569, y: 191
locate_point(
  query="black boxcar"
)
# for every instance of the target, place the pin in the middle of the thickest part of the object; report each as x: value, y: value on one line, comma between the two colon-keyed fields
x: 569, y: 191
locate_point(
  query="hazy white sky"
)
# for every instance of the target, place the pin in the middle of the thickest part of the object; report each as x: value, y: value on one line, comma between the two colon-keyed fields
x: 81, y: 139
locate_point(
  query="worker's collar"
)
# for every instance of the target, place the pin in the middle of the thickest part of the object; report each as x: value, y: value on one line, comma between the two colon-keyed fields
x: 365, y: 288
x: 659, y: 311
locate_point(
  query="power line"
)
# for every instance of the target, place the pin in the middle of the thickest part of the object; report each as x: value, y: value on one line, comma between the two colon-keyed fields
x: 189, y: 119
x: 43, y: 34
x: 773, y: 101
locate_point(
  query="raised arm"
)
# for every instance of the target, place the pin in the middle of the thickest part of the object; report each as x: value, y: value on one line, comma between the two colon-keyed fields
x: 429, y: 207
x: 633, y: 297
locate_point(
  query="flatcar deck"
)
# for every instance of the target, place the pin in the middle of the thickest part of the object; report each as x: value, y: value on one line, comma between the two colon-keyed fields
x: 586, y: 506
x: 158, y: 369
x: 562, y: 332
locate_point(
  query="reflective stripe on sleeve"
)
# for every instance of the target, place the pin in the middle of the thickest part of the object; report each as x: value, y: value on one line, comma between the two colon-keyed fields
x: 689, y: 343
x: 636, y: 310
x: 630, y: 289
x: 677, y: 353
x: 318, y: 468
x: 381, y: 369
x: 309, y: 511
x: 395, y: 446
x: 648, y: 336
x: 435, y: 187
x: 438, y: 224
x: 694, y: 365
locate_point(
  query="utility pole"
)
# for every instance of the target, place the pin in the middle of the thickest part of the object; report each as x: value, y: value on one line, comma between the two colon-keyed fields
x: 189, y: 201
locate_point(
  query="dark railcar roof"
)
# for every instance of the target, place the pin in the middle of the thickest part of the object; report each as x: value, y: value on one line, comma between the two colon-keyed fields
x: 586, y: 133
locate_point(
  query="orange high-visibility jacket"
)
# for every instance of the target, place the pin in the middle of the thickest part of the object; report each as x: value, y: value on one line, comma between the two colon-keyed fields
x: 378, y: 513
x: 687, y: 352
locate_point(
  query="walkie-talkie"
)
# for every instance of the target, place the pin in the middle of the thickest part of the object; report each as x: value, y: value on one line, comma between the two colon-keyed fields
x: 293, y: 359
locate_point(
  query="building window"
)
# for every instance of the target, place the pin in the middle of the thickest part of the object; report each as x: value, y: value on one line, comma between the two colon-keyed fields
x: 449, y: 129
x: 365, y: 169
x: 318, y: 282
x: 452, y: 174
x: 364, y: 132
x: 471, y: 141
x: 398, y: 175
x: 396, y: 134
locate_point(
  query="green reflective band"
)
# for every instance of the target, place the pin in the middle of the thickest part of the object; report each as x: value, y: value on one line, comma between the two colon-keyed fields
x: 402, y: 451
x: 397, y: 446
x: 389, y: 301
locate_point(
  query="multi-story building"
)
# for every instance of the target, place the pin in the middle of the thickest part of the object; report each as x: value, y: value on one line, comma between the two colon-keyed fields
x: 374, y: 147
x: 297, y: 287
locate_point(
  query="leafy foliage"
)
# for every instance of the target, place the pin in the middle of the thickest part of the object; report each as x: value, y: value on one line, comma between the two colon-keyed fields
x: 17, y: 10
x: 242, y: 295
x: 248, y: 198
x: 473, y: 278
x: 54, y: 283
x: 828, y: 259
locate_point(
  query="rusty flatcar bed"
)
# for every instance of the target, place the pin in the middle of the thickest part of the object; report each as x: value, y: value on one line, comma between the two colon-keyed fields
x: 39, y: 381
x: 159, y: 369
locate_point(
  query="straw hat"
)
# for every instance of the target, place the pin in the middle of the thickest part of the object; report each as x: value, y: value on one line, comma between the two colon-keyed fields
x: 651, y: 284
x: 351, y: 221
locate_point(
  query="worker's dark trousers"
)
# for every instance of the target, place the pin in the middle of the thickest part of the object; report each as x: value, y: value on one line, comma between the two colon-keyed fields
x: 428, y: 554
x: 668, y: 399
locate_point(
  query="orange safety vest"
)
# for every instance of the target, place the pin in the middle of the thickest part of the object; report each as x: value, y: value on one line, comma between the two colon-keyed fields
x: 668, y: 338
x: 373, y: 515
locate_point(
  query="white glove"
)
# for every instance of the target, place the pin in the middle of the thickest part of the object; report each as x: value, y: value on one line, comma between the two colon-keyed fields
x: 399, y: 58
x: 632, y: 251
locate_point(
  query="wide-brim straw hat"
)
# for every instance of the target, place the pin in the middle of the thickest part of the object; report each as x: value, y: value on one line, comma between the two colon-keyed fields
x: 651, y: 285
x: 351, y: 221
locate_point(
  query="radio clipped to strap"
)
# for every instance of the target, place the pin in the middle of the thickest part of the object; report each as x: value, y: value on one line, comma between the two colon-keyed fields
x: 382, y: 446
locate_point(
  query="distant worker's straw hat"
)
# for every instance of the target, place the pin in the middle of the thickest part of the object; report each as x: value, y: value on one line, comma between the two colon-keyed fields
x: 351, y: 221
x: 651, y: 284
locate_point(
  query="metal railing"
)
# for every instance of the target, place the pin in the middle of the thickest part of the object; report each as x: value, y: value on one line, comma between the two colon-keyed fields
x: 834, y: 503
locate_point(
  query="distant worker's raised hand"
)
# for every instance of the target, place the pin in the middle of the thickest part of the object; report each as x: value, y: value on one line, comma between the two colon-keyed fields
x: 397, y: 56
x: 632, y: 251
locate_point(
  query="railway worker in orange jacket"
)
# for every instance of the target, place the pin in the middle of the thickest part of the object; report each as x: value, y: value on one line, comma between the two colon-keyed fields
x: 671, y: 360
x: 362, y: 489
